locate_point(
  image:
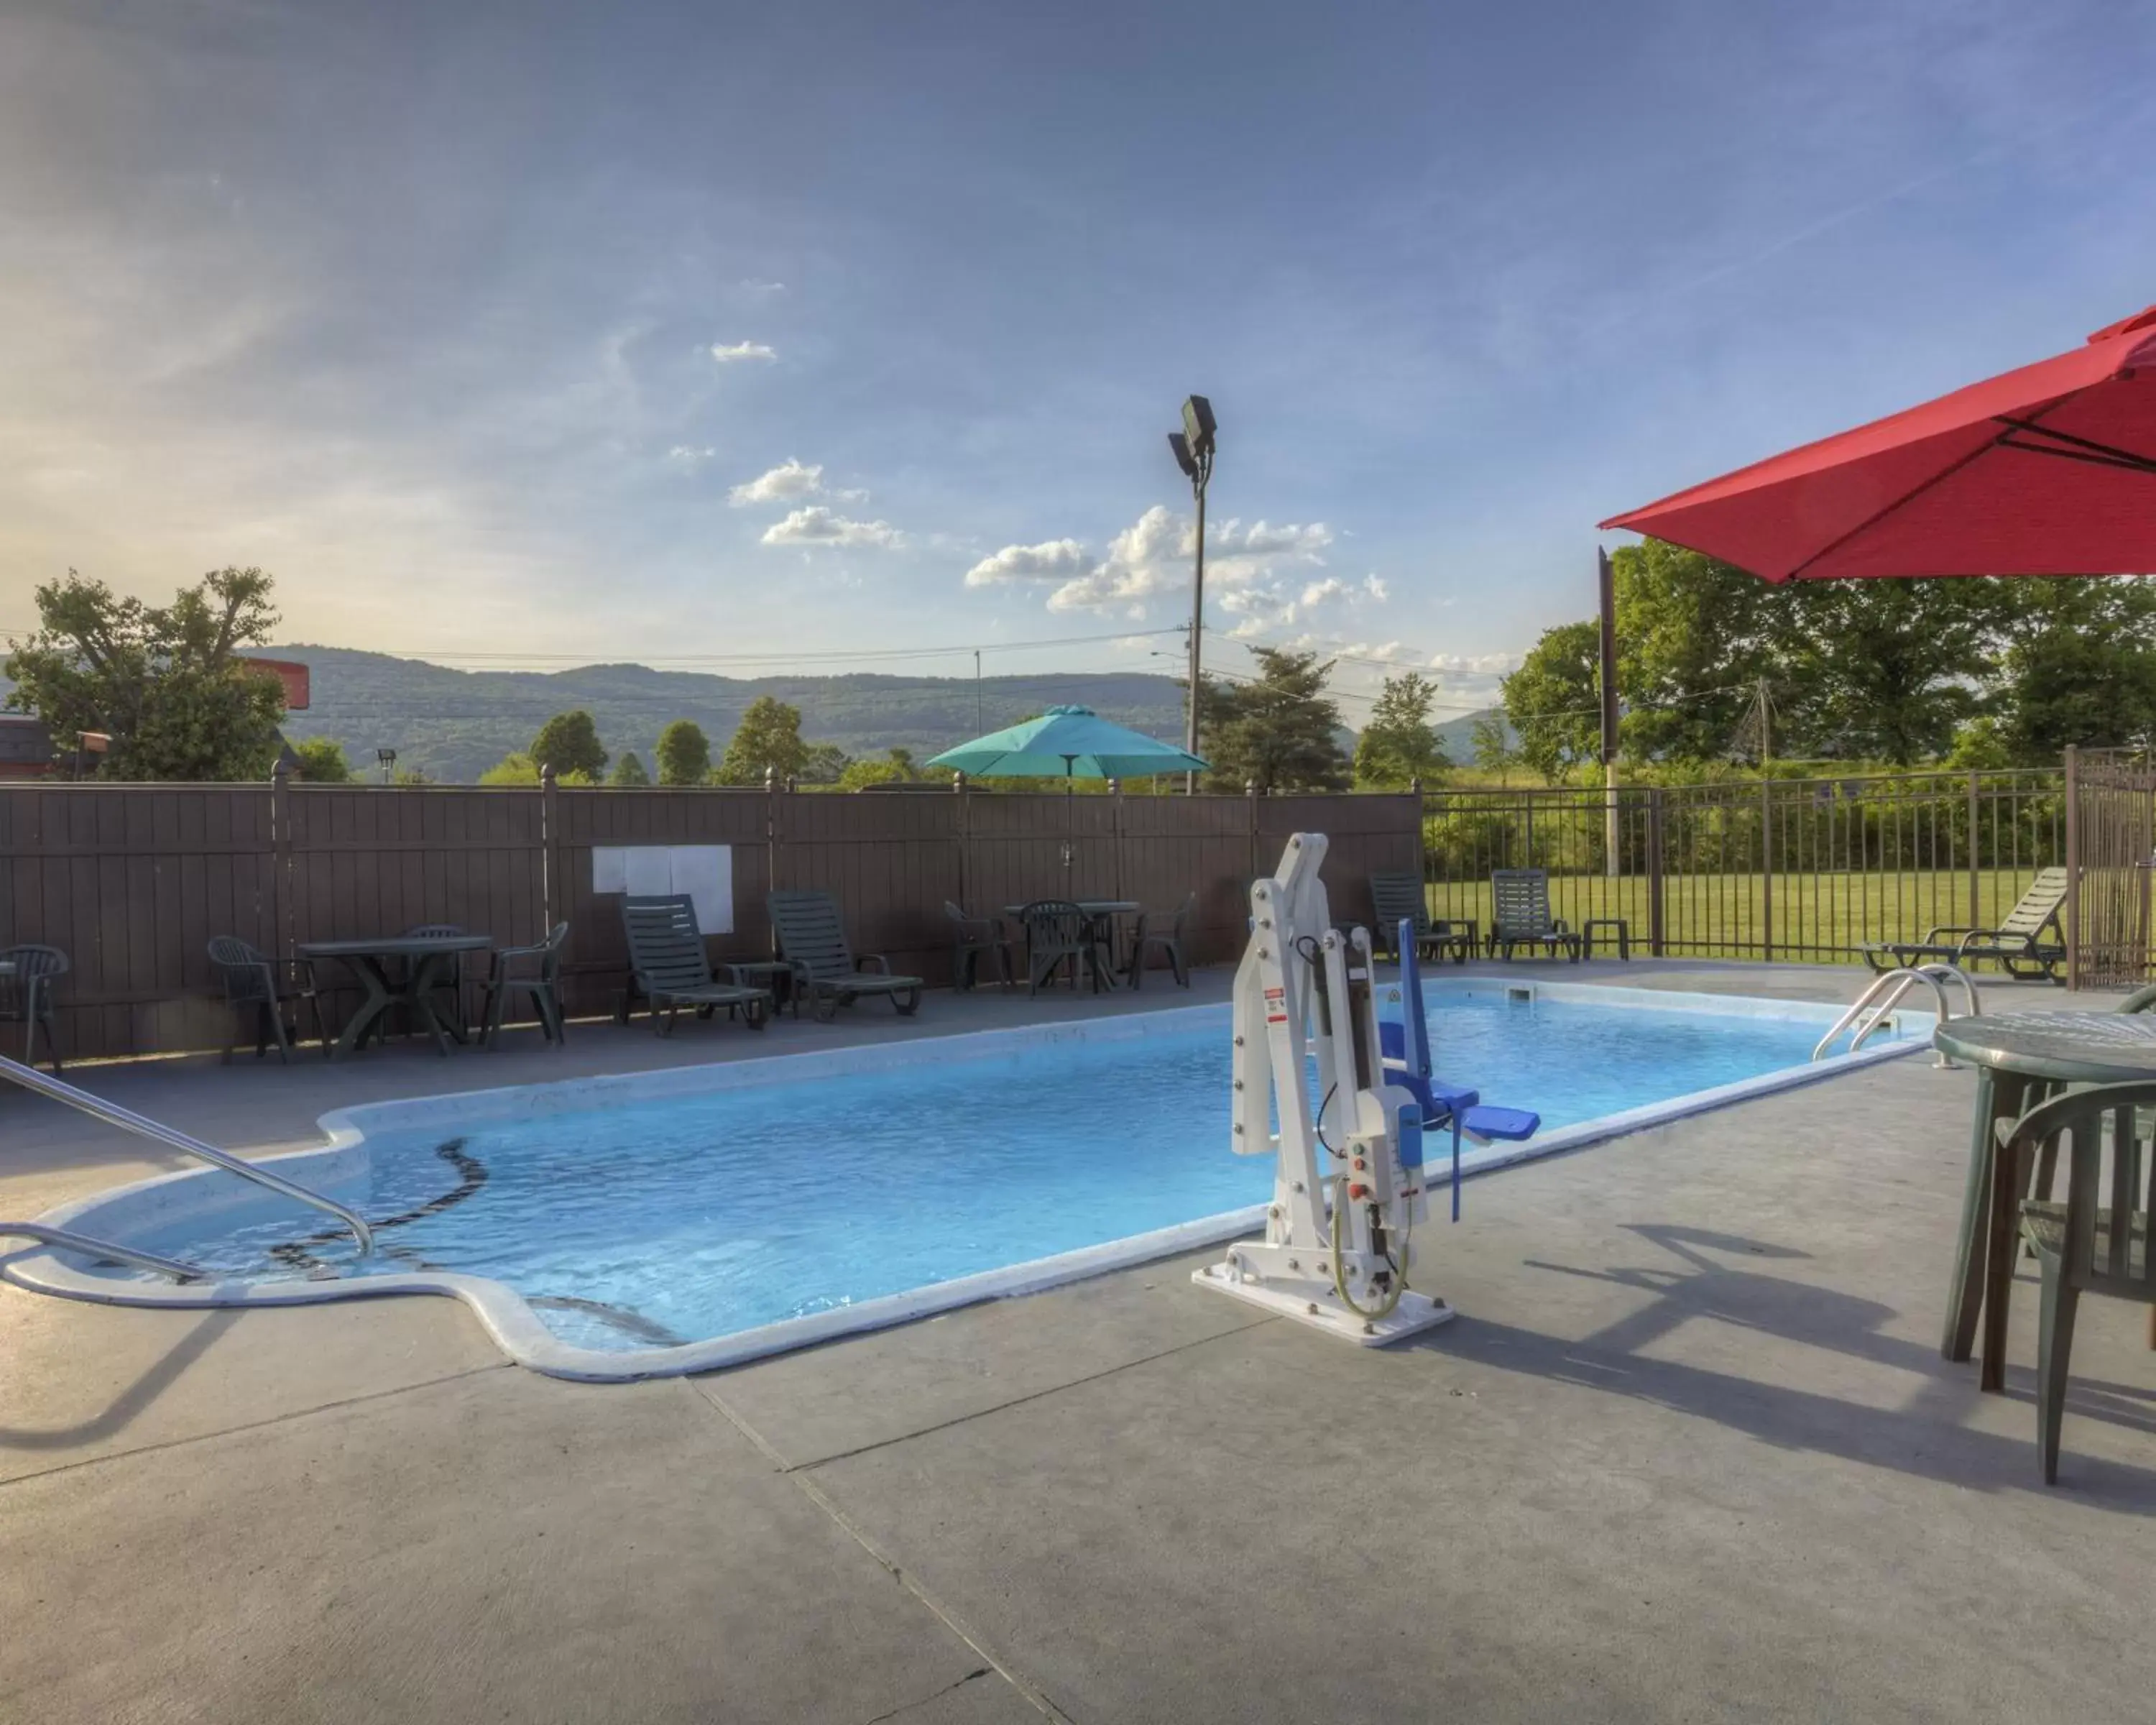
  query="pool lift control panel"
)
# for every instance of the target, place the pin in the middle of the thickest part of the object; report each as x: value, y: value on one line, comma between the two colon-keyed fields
x: 1349, y: 1193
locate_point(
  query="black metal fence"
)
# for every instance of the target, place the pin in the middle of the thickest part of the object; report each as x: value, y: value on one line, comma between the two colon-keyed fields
x: 1801, y: 868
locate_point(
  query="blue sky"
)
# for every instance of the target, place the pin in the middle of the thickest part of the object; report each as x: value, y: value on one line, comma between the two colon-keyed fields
x: 565, y: 331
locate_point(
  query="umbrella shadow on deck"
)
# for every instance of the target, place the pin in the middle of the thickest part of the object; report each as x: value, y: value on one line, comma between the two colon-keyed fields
x: 1926, y: 1435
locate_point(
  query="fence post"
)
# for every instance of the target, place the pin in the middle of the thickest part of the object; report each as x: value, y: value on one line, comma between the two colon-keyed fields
x: 1250, y: 801
x: 1975, y: 915
x: 965, y: 841
x: 1654, y: 871
x: 1116, y: 818
x: 1766, y: 871
x: 280, y: 857
x: 553, y: 900
x: 771, y: 838
x: 2073, y: 868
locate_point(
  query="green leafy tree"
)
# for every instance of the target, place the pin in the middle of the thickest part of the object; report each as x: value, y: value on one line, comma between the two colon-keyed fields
x: 769, y: 740
x: 1492, y: 740
x: 1552, y: 703
x: 628, y: 773
x: 897, y: 767
x: 166, y: 682
x: 683, y: 753
x: 569, y: 743
x: 1399, y: 746
x: 826, y: 764
x: 519, y: 768
x: 1881, y: 670
x: 2077, y: 665
x: 1694, y: 637
x: 1279, y: 731
x: 322, y: 761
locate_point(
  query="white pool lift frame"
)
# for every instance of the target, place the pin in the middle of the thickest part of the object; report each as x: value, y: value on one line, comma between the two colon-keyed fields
x: 1337, y: 1251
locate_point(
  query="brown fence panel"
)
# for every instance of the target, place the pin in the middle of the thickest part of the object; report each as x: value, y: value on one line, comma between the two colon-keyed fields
x: 891, y: 860
x: 369, y: 860
x: 132, y: 882
x: 1365, y: 835
x: 2113, y: 796
x: 1174, y: 845
x: 1021, y: 847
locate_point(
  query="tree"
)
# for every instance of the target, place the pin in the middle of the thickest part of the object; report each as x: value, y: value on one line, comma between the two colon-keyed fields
x: 1551, y: 700
x: 167, y: 683
x: 767, y: 741
x: 1693, y: 640
x: 684, y: 754
x: 2077, y: 664
x: 1878, y: 670
x: 827, y: 764
x: 628, y: 773
x: 1493, y: 743
x: 519, y: 768
x: 897, y: 767
x: 569, y: 743
x: 322, y: 761
x: 1278, y: 732
x: 1397, y: 746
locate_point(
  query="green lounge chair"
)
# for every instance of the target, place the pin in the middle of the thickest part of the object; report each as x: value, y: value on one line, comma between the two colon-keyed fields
x: 2097, y: 1241
x: 1395, y: 899
x: 812, y: 939
x: 668, y: 967
x: 2019, y: 944
x: 1520, y: 915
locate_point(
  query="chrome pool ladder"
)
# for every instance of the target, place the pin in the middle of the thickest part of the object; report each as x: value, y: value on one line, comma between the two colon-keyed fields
x: 1874, y: 1007
x: 112, y: 1114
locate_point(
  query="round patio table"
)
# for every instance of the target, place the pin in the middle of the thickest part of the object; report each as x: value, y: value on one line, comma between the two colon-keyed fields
x: 425, y: 957
x: 2017, y: 1057
x: 1102, y: 914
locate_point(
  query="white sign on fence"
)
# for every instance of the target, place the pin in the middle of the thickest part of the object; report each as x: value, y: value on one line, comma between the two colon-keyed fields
x: 705, y: 872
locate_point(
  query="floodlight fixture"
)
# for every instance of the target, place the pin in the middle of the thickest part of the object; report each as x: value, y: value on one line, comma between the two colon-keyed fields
x: 1193, y: 448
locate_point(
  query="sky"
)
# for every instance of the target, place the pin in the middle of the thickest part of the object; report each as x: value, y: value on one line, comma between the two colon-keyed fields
x: 744, y: 338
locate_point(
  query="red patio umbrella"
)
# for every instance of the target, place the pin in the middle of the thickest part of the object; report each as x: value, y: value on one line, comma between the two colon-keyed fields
x: 2047, y: 470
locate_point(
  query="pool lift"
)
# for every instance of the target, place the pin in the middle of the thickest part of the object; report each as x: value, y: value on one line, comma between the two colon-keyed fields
x: 1349, y: 1187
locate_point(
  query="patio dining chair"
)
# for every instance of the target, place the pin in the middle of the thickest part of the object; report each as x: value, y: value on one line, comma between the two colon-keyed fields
x: 258, y: 988
x: 28, y: 977
x: 1150, y: 933
x: 535, y: 971
x: 1057, y: 932
x: 2095, y: 1240
x: 973, y: 938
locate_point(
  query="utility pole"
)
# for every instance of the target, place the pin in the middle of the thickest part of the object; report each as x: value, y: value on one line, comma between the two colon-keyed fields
x: 1192, y: 447
x: 980, y: 704
x: 1606, y: 592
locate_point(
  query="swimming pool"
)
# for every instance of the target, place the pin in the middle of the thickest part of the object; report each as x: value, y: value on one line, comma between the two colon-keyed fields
x: 671, y: 1221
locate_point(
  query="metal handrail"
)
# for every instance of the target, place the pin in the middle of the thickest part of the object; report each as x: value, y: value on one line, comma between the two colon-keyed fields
x: 1887, y: 989
x: 112, y: 1114
x: 92, y: 1248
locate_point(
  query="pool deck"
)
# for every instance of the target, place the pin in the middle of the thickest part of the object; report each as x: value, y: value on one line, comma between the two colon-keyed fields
x: 1689, y: 1453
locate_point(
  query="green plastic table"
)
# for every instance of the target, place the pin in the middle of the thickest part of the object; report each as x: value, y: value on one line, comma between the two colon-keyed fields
x: 2015, y: 1055
x: 425, y: 957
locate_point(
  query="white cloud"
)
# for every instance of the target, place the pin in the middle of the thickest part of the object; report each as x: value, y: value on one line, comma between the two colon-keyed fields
x: 1476, y: 664
x: 761, y: 285
x: 688, y: 457
x: 782, y: 484
x: 1052, y: 560
x: 817, y: 526
x: 728, y: 353
x: 1374, y: 585
x: 1318, y: 592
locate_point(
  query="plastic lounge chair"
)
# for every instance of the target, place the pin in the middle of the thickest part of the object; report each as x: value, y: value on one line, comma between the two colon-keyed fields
x: 2096, y: 1240
x: 1404, y: 1050
x: 535, y: 970
x: 1520, y: 915
x: 972, y: 937
x: 1057, y: 930
x: 2018, y: 944
x: 811, y: 938
x: 28, y: 977
x: 260, y: 987
x: 1399, y: 898
x: 669, y: 968
x: 1150, y: 934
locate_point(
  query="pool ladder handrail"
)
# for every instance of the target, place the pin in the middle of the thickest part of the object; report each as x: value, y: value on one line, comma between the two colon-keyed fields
x: 90, y: 1247
x: 1871, y: 1007
x: 112, y: 1114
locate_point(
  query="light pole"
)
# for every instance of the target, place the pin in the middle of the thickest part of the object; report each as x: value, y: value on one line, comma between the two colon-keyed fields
x: 387, y: 759
x: 1193, y: 454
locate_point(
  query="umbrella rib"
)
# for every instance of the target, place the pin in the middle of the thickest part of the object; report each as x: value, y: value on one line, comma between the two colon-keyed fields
x: 2083, y: 448
x: 1922, y: 486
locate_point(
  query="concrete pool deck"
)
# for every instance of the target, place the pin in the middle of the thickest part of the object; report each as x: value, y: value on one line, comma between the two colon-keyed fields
x: 1689, y: 1453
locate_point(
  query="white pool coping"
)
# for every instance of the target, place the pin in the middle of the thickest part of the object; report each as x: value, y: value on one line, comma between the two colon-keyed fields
x: 338, y: 1169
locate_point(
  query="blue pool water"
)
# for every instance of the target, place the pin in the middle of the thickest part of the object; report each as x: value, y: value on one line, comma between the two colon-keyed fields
x: 681, y: 1218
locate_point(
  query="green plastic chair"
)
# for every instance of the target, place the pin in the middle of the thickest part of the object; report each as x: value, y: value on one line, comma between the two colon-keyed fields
x: 2095, y: 1240
x: 668, y: 967
x: 811, y: 938
x: 2019, y: 944
x: 1520, y: 915
x: 1395, y: 899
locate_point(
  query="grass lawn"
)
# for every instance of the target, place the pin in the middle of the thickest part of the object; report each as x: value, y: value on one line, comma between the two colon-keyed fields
x: 1816, y: 917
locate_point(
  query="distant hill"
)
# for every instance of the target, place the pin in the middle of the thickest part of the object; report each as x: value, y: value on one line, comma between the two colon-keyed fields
x: 452, y: 725
x: 1457, y: 735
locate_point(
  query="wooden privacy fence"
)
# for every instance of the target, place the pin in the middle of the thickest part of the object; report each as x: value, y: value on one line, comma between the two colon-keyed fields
x: 133, y: 880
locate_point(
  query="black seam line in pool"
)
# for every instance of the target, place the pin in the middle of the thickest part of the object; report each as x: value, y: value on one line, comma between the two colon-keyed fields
x: 471, y: 1174
x: 625, y: 1318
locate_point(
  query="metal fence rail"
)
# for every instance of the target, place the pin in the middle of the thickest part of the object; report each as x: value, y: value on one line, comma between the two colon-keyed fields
x: 1797, y: 869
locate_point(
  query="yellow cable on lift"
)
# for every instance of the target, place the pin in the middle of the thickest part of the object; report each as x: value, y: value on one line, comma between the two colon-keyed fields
x: 1340, y: 1265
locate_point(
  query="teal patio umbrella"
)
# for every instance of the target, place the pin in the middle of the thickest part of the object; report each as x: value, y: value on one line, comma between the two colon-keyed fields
x: 1067, y: 742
